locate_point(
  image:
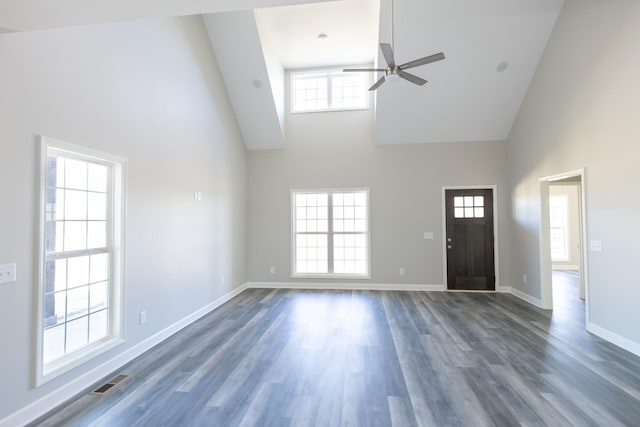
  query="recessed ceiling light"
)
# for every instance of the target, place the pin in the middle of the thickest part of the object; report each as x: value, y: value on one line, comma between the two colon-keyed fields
x: 322, y: 36
x: 257, y: 83
x: 502, y: 66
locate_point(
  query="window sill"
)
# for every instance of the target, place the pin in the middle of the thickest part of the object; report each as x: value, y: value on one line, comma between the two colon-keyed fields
x: 331, y: 276
x: 73, y: 360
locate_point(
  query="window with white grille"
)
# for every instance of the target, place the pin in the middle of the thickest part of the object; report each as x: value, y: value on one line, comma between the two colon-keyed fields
x: 330, y: 233
x: 80, y: 287
x: 327, y: 91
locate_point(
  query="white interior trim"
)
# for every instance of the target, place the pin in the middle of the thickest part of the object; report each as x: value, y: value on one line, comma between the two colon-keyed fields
x: 545, y: 250
x: 526, y: 297
x: 346, y: 286
x: 612, y: 337
x: 496, y: 251
x: 59, y: 396
x: 116, y: 246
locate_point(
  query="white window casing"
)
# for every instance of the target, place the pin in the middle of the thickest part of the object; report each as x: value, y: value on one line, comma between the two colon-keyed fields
x: 81, y: 246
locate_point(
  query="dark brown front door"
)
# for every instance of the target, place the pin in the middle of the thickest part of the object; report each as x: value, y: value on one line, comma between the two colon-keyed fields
x: 470, y: 260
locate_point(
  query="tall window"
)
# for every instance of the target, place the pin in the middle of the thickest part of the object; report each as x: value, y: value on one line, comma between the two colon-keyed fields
x: 330, y: 233
x: 558, y: 209
x: 329, y: 91
x: 81, y: 257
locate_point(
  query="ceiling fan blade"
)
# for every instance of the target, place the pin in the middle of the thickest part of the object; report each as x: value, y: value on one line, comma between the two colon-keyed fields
x: 423, y: 61
x: 387, y: 52
x: 362, y: 70
x: 377, y: 84
x: 412, y: 78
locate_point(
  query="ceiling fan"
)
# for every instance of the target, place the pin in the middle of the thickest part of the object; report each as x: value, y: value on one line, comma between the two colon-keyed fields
x: 397, y: 70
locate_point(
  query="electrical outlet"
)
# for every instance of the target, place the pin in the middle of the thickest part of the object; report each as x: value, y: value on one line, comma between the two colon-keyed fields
x: 524, y: 278
x: 272, y: 270
x: 402, y: 271
x: 143, y: 317
x: 8, y: 273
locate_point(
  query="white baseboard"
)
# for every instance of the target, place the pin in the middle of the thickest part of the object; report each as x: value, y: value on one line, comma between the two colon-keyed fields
x: 570, y: 267
x: 59, y: 396
x: 526, y: 297
x: 612, y: 337
x: 346, y: 286
x: 504, y: 289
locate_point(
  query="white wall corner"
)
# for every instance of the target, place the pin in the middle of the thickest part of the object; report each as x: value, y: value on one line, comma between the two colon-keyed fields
x: 59, y: 396
x: 612, y: 337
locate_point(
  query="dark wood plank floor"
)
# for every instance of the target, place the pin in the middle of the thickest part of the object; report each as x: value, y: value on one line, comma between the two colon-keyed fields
x: 305, y: 358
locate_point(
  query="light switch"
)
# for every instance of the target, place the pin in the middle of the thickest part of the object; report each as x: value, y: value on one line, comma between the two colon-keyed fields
x: 596, y: 246
x: 8, y: 273
x: 428, y: 235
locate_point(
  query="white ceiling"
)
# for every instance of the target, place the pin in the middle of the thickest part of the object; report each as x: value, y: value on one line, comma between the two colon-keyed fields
x: 466, y: 99
x: 24, y: 15
x: 351, y: 27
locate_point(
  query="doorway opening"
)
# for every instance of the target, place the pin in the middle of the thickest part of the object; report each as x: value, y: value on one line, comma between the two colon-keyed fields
x: 563, y: 259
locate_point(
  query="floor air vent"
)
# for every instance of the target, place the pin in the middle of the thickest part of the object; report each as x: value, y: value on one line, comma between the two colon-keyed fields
x: 105, y: 387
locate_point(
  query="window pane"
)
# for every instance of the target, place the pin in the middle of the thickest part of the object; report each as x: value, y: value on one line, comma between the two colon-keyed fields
x: 75, y: 235
x: 97, y: 178
x: 57, y: 203
x: 97, y: 234
x: 75, y: 205
x: 312, y: 213
x: 55, y: 308
x: 349, y: 225
x: 75, y: 174
x: 78, y: 271
x: 479, y: 212
x: 97, y: 206
x: 53, y: 345
x: 458, y: 201
x: 98, y: 296
x: 99, y: 268
x: 468, y: 212
x: 478, y: 201
x: 468, y: 201
x: 77, y: 333
x: 301, y: 213
x: 77, y: 302
x: 459, y: 212
x: 61, y: 274
x: 98, y: 326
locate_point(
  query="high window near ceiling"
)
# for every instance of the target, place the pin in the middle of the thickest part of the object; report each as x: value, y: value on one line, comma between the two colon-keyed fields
x: 81, y: 244
x: 329, y: 91
x: 330, y: 233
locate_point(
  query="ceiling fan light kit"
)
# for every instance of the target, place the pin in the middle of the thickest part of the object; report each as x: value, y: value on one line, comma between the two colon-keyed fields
x: 397, y: 70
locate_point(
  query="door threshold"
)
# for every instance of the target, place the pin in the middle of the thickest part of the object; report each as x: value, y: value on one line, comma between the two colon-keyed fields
x: 473, y: 291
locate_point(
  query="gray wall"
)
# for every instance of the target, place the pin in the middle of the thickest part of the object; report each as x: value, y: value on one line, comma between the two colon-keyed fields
x: 149, y: 91
x: 334, y: 150
x: 582, y: 110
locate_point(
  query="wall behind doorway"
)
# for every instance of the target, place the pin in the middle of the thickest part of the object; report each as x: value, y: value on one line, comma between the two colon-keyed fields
x: 572, y: 192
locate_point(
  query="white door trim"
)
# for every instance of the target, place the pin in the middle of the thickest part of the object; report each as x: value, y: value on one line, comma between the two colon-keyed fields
x: 545, y: 246
x: 496, y: 252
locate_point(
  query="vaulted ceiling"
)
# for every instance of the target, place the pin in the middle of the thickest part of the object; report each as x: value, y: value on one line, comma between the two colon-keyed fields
x: 256, y: 41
